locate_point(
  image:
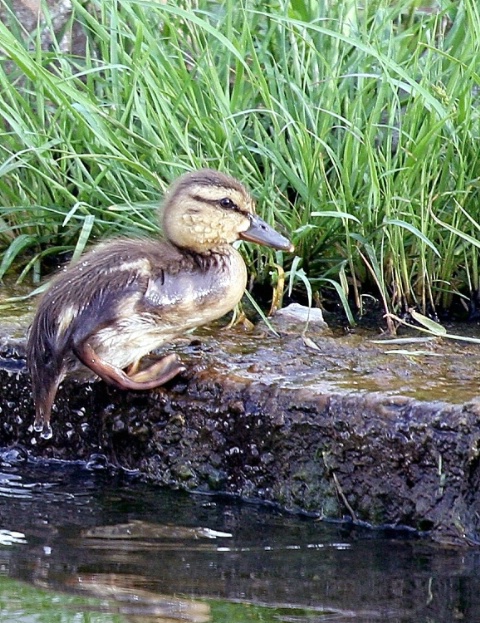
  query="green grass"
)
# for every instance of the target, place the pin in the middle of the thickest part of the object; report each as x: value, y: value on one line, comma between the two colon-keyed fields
x: 357, y: 130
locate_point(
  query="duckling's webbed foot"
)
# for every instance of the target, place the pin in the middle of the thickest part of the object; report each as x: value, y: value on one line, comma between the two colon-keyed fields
x: 157, y: 374
x: 162, y: 370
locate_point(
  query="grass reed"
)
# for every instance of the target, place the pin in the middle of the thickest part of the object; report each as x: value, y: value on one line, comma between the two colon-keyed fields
x: 356, y: 127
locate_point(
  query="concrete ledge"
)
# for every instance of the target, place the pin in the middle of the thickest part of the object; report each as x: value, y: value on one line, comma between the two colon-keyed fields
x: 268, y: 419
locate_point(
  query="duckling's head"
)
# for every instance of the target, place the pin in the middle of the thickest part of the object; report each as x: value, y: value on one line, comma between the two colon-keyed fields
x: 205, y: 210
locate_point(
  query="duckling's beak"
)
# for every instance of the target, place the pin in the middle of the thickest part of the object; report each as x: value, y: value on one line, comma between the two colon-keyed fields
x: 261, y: 232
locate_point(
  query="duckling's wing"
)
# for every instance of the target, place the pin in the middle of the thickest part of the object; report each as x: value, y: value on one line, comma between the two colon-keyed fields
x: 94, y: 293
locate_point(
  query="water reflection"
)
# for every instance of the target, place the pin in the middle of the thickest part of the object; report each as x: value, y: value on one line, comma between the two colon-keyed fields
x: 138, y: 603
x: 92, y: 546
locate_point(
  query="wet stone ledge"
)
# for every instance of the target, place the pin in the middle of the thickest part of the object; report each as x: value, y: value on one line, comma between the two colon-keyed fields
x: 339, y: 427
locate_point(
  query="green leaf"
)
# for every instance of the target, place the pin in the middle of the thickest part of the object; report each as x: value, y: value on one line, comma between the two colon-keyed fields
x: 414, y: 230
x: 84, y: 236
x: 428, y: 323
x: 15, y: 248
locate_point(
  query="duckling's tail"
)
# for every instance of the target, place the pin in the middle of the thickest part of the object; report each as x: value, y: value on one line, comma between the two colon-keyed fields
x: 45, y: 363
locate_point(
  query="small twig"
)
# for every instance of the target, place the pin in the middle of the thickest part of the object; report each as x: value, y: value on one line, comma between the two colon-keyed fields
x: 344, y: 499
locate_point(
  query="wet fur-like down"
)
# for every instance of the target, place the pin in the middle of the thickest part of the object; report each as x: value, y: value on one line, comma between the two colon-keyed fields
x: 125, y: 298
x: 145, y: 294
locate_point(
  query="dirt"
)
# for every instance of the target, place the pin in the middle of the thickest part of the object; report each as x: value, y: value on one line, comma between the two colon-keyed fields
x: 340, y: 427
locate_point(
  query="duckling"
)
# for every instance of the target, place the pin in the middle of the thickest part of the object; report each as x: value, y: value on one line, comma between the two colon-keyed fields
x: 127, y: 297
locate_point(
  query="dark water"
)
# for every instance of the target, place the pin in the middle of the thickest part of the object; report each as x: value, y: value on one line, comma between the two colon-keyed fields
x: 81, y: 545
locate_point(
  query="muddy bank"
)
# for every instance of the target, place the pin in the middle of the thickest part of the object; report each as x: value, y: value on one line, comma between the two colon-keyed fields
x: 341, y: 428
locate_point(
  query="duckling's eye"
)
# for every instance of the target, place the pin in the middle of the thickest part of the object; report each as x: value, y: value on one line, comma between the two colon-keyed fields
x: 226, y: 202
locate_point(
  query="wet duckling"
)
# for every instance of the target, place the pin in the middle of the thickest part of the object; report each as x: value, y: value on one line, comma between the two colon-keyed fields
x: 125, y: 298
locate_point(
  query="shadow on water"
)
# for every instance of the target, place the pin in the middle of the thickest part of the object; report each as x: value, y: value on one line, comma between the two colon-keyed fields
x: 81, y: 544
